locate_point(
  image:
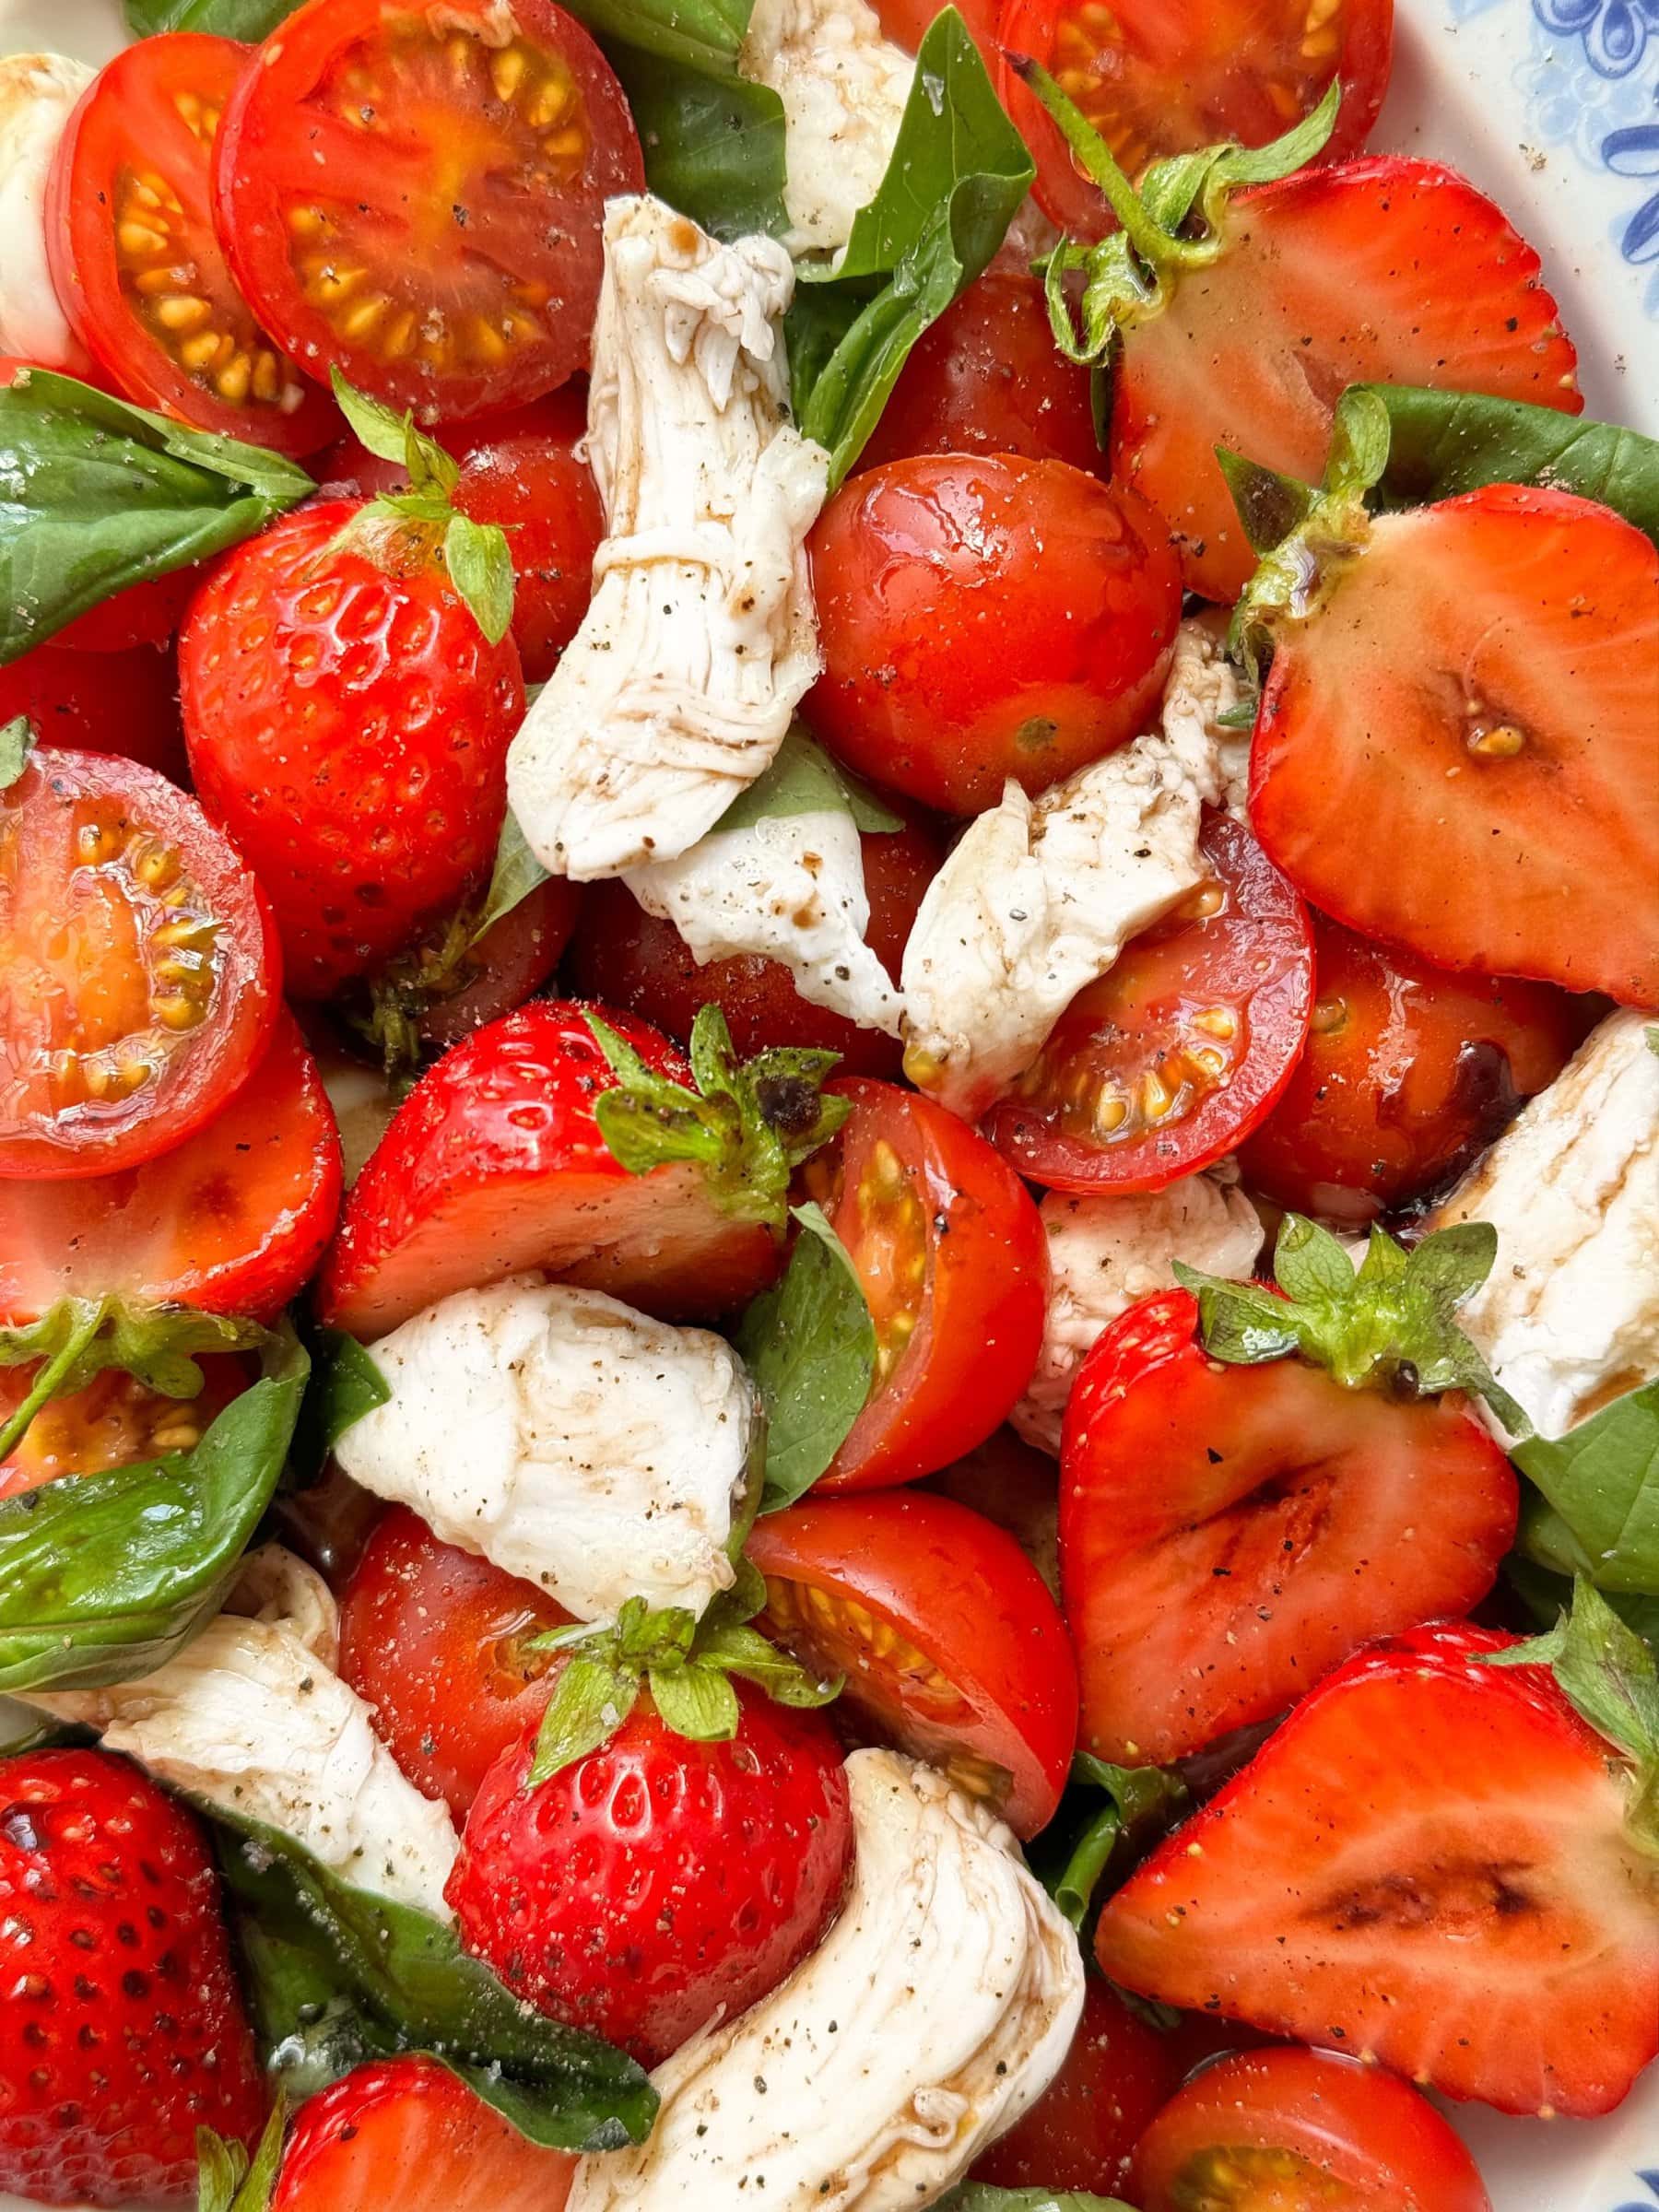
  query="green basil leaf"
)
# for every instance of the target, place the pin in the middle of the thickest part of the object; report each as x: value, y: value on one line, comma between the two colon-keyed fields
x: 1546, y: 1591
x: 249, y: 21
x: 713, y: 143
x: 809, y: 1344
x: 345, y: 1384
x: 1444, y: 442
x: 1603, y: 1668
x: 985, y: 2196
x: 1603, y: 1481
x: 104, y: 1577
x: 96, y: 495
x: 516, y: 874
x: 803, y: 779
x: 17, y: 742
x: 335, y: 1975
x: 959, y: 171
x: 1084, y: 1838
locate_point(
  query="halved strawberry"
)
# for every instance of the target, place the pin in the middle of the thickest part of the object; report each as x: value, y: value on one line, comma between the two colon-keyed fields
x: 409, y: 2133
x: 505, y: 1156
x: 1428, y: 1863
x: 1458, y: 743
x: 1228, y: 1535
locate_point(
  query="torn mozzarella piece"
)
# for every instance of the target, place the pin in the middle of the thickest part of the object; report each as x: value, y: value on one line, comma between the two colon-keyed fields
x: 36, y: 92
x: 790, y: 887
x: 250, y: 1718
x: 843, y: 88
x: 936, y: 2011
x: 569, y: 1439
x: 1041, y: 896
x: 677, y: 689
x: 1568, y: 1317
x: 1105, y: 1255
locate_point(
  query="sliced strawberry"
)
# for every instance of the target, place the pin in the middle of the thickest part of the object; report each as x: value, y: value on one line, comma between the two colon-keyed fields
x: 407, y: 2131
x: 496, y: 1162
x: 1428, y: 1863
x: 1228, y: 1535
x: 1458, y: 746
x: 1385, y: 270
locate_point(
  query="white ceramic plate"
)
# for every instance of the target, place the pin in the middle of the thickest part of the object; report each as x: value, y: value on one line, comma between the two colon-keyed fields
x: 1552, y: 107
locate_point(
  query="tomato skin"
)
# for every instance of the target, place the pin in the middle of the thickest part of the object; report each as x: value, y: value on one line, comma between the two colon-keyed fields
x: 1082, y: 2130
x: 393, y: 215
x: 958, y: 1346
x: 232, y: 1220
x: 1407, y: 1072
x: 1249, y: 962
x: 625, y: 957
x: 95, y: 851
x: 508, y: 964
x: 960, y: 1590
x: 433, y: 1637
x: 987, y: 616
x: 126, y: 703
x: 987, y: 378
x: 133, y: 159
x: 1364, y: 2140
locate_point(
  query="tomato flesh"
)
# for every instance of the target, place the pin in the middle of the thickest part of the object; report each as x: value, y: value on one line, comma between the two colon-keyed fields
x: 951, y: 1646
x: 138, y: 967
x: 134, y: 259
x: 116, y: 1421
x: 1166, y: 1062
x: 415, y: 198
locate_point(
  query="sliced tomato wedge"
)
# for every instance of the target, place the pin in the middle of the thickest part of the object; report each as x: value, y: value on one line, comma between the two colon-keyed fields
x: 951, y: 1646
x: 1165, y: 76
x: 134, y: 261
x: 230, y: 1222
x: 415, y: 195
x: 139, y: 970
x: 1172, y: 1058
x: 115, y: 1421
x: 951, y: 1254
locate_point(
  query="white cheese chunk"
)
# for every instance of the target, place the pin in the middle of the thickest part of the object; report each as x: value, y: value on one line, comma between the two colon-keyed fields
x: 1568, y: 1317
x: 843, y: 88
x: 1107, y: 1254
x: 568, y: 1438
x: 935, y: 2012
x: 36, y: 92
x: 677, y: 689
x: 250, y: 1717
x: 1041, y: 896
x: 790, y: 887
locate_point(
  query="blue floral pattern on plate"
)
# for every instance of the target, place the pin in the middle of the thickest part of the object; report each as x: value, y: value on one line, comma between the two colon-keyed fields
x: 1650, y: 2182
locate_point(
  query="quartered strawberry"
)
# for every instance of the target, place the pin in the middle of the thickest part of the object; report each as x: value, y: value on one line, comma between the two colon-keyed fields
x: 1429, y: 1864
x: 505, y: 1156
x: 406, y: 2131
x: 122, y: 2030
x: 1458, y: 746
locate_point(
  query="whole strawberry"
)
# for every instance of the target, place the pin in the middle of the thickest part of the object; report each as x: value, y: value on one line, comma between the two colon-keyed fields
x: 122, y: 2030
x: 349, y: 692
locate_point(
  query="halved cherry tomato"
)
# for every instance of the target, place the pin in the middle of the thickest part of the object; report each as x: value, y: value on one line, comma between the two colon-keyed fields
x: 1181, y: 1050
x: 1081, y: 2131
x: 1302, y: 2131
x: 987, y: 378
x: 230, y: 1222
x: 115, y: 1421
x: 435, y: 1639
x: 985, y: 616
x: 1408, y: 1072
x: 126, y: 703
x: 139, y: 968
x: 951, y: 1254
x: 142, y: 278
x: 415, y: 196
x: 625, y: 957
x: 1164, y: 76
x: 520, y: 470
x: 951, y: 1646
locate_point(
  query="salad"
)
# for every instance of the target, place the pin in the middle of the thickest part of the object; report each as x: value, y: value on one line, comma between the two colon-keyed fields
x: 829, y: 1124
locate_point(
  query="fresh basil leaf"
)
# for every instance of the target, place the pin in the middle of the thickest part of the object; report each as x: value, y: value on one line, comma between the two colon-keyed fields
x: 23, y: 1729
x: 335, y: 1975
x: 957, y: 173
x: 984, y: 2197
x: 804, y: 780
x: 17, y: 742
x: 96, y: 495
x: 809, y: 1344
x: 1603, y: 1481
x: 1086, y: 1835
x: 1545, y: 1590
x: 345, y: 1384
x: 1444, y: 442
x: 104, y: 1577
x: 1269, y: 506
x: 705, y: 35
x: 516, y: 874
x: 713, y: 143
x: 249, y: 21
x: 1603, y: 1668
